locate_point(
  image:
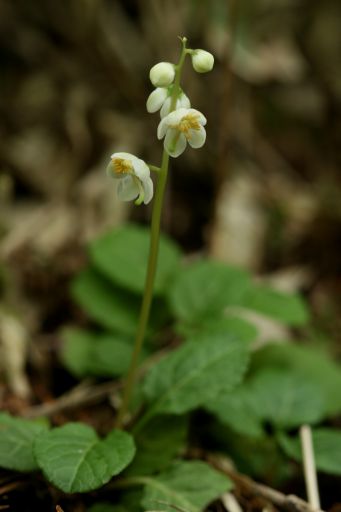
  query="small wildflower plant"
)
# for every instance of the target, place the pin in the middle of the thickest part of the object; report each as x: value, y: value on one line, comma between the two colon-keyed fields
x: 180, y: 124
x: 218, y: 383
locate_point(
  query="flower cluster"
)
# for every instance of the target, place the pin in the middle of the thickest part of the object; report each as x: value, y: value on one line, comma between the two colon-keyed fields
x: 180, y: 124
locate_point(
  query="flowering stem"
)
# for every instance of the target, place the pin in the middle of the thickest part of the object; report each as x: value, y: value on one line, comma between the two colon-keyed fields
x: 153, y: 255
x: 154, y: 168
x: 178, y: 68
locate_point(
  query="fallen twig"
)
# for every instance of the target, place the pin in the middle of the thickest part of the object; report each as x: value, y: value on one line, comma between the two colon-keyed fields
x: 77, y: 397
x: 289, y: 503
x: 86, y: 394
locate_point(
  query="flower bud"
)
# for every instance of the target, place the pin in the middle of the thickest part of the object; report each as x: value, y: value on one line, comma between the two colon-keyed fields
x: 162, y: 74
x: 202, y: 61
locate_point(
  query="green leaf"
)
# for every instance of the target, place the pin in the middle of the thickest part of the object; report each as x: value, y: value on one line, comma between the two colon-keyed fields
x: 74, y: 459
x: 313, y: 363
x: 231, y: 326
x: 195, y: 373
x: 109, y: 306
x: 286, y: 398
x: 112, y: 307
x: 189, y: 485
x: 288, y: 308
x: 86, y: 353
x: 327, y: 449
x: 158, y: 443
x: 238, y: 411
x: 16, y: 442
x: 122, y: 256
x: 204, y: 289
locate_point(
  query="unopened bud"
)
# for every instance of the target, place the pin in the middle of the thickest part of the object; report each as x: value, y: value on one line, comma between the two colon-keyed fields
x: 162, y: 74
x: 202, y: 61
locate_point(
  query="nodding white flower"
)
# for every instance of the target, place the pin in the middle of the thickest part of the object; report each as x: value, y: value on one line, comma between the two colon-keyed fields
x: 162, y: 74
x: 202, y: 61
x: 182, y: 126
x: 181, y: 102
x: 133, y: 178
x: 161, y: 98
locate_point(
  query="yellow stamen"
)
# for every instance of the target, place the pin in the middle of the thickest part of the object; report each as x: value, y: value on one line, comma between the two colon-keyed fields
x: 187, y: 123
x: 122, y: 166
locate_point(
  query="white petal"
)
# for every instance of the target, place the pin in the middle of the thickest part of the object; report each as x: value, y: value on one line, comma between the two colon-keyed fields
x: 175, y: 142
x: 110, y: 170
x: 181, y: 102
x: 166, y: 107
x: 184, y: 101
x: 162, y: 128
x: 197, y: 138
x: 201, y: 118
x: 148, y: 188
x: 126, y: 189
x: 141, y: 169
x: 125, y: 156
x: 156, y: 99
x: 175, y: 117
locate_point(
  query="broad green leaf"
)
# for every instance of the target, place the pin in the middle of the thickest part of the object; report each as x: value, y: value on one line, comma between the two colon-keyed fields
x: 327, y: 449
x: 16, y: 442
x: 288, y: 308
x: 196, y: 373
x: 111, y: 307
x: 189, y: 485
x: 122, y: 256
x: 238, y: 411
x: 158, y: 443
x: 204, y: 289
x: 285, y: 398
x: 74, y: 459
x: 87, y: 353
x: 313, y: 363
x: 229, y: 325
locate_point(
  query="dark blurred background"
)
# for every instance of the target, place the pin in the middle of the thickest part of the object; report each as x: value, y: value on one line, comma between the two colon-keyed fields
x: 263, y: 192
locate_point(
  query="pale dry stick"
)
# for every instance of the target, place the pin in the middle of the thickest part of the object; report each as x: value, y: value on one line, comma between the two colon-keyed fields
x: 309, y: 466
x: 230, y: 502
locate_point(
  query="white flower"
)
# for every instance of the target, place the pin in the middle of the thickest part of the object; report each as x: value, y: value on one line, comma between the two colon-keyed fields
x: 202, y: 61
x: 156, y: 99
x: 161, y: 98
x: 162, y: 74
x: 133, y: 177
x: 181, y: 102
x: 182, y: 126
